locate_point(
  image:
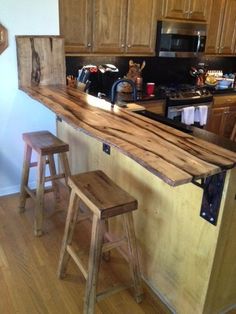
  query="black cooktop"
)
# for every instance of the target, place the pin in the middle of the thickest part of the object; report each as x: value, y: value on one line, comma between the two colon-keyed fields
x: 184, y: 91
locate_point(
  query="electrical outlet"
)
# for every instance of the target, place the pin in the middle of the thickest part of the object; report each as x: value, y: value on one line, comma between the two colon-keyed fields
x: 106, y: 148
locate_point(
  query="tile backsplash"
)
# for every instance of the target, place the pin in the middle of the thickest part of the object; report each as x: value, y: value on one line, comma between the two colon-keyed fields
x: 157, y: 69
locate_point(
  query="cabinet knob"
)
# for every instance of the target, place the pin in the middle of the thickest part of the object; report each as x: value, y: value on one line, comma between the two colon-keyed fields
x: 89, y: 45
x: 190, y: 12
x: 129, y: 46
x: 123, y: 45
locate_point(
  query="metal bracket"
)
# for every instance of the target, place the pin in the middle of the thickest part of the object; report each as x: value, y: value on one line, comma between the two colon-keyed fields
x: 212, y: 193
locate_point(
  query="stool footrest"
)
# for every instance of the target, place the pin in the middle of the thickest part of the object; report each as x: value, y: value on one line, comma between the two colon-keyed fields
x: 83, y: 217
x: 55, y: 177
x: 110, y: 238
x: 113, y: 244
x: 35, y: 163
x: 102, y: 295
x: 32, y: 192
x: 70, y: 250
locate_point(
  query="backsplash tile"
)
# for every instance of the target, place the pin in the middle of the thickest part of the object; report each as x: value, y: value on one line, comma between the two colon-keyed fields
x: 158, y: 70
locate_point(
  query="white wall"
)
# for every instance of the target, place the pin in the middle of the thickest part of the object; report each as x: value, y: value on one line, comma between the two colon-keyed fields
x: 18, y: 113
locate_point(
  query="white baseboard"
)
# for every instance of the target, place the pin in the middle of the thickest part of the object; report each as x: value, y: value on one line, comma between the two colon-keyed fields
x: 160, y: 296
x: 14, y: 189
x: 9, y: 190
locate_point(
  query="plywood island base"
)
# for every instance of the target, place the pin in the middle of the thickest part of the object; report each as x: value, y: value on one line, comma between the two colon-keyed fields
x: 190, y: 263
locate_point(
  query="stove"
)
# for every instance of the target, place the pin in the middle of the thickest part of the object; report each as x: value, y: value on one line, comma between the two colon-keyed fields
x: 181, y: 96
x: 185, y: 94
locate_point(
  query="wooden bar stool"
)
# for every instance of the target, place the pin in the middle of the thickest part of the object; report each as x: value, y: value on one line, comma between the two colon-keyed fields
x: 45, y: 145
x: 104, y: 199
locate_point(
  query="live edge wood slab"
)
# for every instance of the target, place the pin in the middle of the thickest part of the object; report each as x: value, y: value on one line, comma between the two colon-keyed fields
x: 175, y: 157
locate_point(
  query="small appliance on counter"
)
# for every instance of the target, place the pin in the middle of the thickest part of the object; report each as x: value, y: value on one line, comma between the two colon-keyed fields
x: 216, y: 80
x: 103, y: 79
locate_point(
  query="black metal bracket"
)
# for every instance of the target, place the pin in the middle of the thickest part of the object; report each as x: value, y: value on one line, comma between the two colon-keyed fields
x: 212, y: 193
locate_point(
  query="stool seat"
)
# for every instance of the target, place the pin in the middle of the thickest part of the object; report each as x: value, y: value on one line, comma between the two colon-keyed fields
x: 45, y: 145
x: 101, y: 194
x: 104, y: 199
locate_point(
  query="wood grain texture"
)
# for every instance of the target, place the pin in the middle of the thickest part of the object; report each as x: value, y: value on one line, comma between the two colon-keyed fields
x: 174, y: 156
x: 103, y: 197
x: 45, y: 142
x: 41, y: 60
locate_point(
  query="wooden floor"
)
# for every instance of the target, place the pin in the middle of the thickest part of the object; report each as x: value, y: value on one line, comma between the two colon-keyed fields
x: 28, y: 281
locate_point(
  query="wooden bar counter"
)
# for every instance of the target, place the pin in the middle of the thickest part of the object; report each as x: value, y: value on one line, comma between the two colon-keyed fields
x: 184, y: 258
x: 187, y: 260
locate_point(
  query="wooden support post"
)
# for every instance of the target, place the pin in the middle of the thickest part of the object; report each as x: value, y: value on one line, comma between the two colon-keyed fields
x: 94, y: 263
x: 55, y: 184
x: 133, y: 256
x: 68, y: 234
x: 25, y: 177
x: 38, y: 222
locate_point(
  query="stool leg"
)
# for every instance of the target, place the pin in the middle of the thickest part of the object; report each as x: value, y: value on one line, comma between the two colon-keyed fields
x: 38, y: 221
x: 133, y: 256
x: 106, y: 255
x: 25, y: 177
x: 94, y: 263
x: 71, y: 221
x: 55, y: 184
x: 65, y: 165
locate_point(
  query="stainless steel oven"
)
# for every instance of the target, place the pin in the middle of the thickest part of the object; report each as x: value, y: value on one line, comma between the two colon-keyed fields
x: 196, y: 99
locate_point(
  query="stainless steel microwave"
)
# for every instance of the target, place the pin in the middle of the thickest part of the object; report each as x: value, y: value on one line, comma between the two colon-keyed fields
x: 180, y: 39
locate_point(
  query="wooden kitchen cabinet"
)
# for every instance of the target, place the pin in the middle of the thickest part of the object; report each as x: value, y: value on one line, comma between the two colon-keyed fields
x: 75, y: 24
x: 221, y: 38
x: 141, y: 27
x: 196, y: 10
x: 109, y: 27
x: 222, y: 116
x: 155, y: 106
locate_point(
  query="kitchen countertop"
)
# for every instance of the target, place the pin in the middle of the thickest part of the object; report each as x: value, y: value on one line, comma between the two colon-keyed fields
x: 172, y: 155
x: 226, y: 91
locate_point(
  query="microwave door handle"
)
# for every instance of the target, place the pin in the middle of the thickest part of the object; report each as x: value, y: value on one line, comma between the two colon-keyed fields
x: 198, y: 42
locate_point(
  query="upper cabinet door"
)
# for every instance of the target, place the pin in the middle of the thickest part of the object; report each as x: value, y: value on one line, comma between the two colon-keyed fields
x: 200, y: 9
x: 109, y: 24
x: 228, y: 36
x: 109, y: 27
x: 76, y: 24
x: 141, y: 26
x: 176, y: 9
x: 215, y: 27
x: 196, y: 10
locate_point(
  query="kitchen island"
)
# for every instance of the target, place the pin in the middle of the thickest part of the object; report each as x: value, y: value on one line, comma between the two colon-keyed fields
x: 185, y: 185
x: 187, y: 260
